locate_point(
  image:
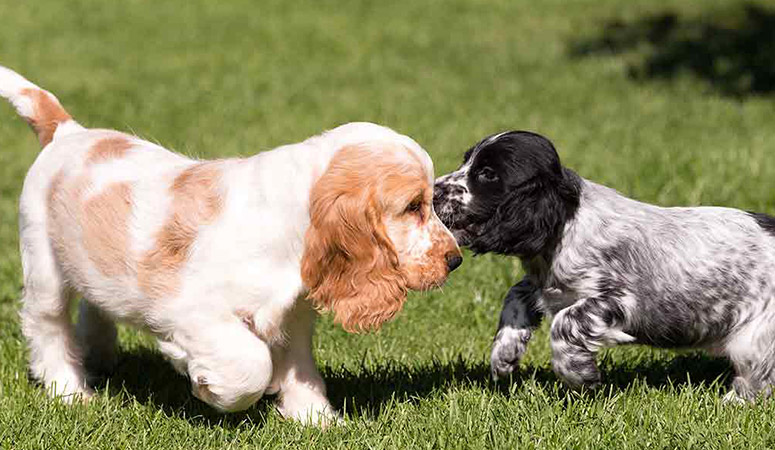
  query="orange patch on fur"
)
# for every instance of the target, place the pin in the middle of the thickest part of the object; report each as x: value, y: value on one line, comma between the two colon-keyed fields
x: 196, y: 201
x: 103, y: 220
x: 54, y: 214
x: 108, y: 148
x: 105, y: 226
x: 48, y: 114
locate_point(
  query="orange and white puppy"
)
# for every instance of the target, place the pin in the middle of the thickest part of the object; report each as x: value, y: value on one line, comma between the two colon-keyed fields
x: 217, y: 258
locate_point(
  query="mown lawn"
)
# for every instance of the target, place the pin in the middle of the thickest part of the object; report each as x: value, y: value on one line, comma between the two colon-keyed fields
x: 670, y: 102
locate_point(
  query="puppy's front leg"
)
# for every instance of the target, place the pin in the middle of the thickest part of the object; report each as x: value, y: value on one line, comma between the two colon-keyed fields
x: 579, y: 331
x: 300, y: 388
x: 520, y: 315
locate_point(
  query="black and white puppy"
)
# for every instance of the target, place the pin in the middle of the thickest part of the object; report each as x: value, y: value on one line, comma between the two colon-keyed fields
x: 612, y: 270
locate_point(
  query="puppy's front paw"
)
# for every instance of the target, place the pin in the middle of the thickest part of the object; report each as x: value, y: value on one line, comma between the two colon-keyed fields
x: 319, y: 414
x: 507, y: 349
x: 70, y: 389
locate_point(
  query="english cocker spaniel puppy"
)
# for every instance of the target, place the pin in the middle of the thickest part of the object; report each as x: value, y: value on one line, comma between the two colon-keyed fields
x: 217, y: 258
x: 612, y: 270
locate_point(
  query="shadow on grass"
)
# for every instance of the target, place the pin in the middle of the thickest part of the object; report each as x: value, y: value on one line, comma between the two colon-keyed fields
x: 369, y: 392
x: 693, y: 368
x: 148, y: 379
x: 733, y: 49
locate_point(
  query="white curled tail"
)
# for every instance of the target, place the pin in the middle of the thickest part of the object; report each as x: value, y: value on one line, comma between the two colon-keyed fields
x: 38, y: 107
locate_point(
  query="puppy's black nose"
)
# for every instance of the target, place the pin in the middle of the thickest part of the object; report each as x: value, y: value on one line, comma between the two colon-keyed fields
x: 454, y: 260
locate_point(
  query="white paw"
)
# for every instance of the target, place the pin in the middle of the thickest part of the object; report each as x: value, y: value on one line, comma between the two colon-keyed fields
x: 223, y: 400
x: 732, y: 398
x: 69, y: 390
x: 507, y: 350
x: 316, y: 414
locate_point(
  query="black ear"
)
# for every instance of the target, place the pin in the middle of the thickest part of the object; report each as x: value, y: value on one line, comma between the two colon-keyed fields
x: 531, y: 219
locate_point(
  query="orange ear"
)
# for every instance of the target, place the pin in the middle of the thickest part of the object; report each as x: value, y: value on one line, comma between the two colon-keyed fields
x: 350, y: 265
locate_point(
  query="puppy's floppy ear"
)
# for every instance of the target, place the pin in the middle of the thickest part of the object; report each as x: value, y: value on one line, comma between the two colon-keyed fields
x: 531, y: 219
x: 349, y: 264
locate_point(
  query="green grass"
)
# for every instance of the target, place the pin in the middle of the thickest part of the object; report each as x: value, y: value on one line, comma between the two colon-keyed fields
x: 232, y: 78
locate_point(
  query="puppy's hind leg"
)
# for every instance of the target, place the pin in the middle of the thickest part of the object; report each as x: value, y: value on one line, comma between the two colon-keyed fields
x: 579, y: 332
x: 752, y: 353
x: 55, y: 358
x: 97, y: 338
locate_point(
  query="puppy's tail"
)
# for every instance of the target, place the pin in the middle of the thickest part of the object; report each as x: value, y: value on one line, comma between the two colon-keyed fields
x: 37, y: 106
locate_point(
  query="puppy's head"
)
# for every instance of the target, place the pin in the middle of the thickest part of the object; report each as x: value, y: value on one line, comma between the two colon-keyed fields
x: 511, y: 195
x: 374, y: 235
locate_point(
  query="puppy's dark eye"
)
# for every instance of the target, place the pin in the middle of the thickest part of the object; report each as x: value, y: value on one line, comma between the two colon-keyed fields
x: 414, y: 207
x: 487, y: 175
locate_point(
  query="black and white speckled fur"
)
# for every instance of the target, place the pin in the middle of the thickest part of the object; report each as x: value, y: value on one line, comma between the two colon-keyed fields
x: 611, y: 270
